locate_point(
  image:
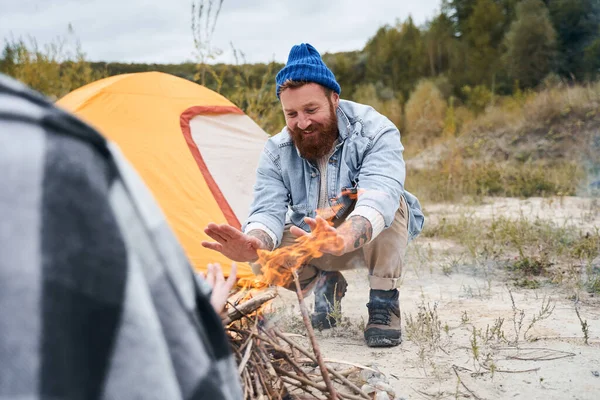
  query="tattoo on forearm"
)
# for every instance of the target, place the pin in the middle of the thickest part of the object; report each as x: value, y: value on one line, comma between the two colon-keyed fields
x: 359, y: 231
x: 263, y: 237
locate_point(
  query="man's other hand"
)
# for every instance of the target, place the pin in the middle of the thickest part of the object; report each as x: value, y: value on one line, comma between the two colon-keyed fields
x: 233, y: 243
x: 329, y: 239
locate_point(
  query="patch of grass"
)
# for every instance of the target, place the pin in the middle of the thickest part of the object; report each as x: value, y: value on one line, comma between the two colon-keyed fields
x: 452, y: 180
x: 527, y: 283
x: 53, y: 69
x: 532, y: 109
x: 593, y: 284
x: 463, y: 227
x: 452, y: 264
x: 517, y: 234
x: 587, y: 246
x: 494, y: 333
x: 425, y: 328
x: 532, y: 144
x: 524, y: 234
x: 530, y: 250
x: 531, y: 266
x: 465, y: 230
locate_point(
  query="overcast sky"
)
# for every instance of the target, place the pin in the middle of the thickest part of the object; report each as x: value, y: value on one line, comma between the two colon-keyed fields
x: 159, y: 30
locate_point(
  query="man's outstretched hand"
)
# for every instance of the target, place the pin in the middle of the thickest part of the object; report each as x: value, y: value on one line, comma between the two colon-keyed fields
x: 233, y: 243
x: 330, y: 239
x: 354, y: 233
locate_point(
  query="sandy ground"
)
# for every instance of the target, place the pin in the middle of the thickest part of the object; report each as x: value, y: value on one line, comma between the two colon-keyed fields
x: 576, y: 211
x: 551, y: 363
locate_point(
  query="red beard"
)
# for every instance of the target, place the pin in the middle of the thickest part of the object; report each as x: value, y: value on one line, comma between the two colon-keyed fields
x: 319, y: 143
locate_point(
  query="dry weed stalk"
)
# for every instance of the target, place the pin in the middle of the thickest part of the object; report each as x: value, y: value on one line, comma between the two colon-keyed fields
x: 584, y: 325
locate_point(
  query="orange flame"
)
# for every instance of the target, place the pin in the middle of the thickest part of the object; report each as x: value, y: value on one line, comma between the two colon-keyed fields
x: 278, y: 265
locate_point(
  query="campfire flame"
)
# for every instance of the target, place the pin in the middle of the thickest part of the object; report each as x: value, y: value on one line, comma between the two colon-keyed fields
x: 278, y: 265
x: 265, y: 366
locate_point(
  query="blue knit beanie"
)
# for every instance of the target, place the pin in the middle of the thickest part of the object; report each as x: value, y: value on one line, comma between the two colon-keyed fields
x: 305, y: 64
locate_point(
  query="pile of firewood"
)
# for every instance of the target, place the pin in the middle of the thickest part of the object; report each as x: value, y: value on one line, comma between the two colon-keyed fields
x: 272, y: 365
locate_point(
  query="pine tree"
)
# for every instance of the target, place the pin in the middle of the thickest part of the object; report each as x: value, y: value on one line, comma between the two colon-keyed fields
x: 530, y: 44
x: 577, y: 24
x: 410, y: 60
x: 592, y: 59
x: 483, y: 37
x: 459, y: 12
x: 396, y: 57
x: 440, y: 44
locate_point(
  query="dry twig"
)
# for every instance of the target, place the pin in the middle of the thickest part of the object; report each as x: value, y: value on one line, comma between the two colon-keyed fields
x: 455, y: 369
x: 313, y: 340
x: 273, y: 366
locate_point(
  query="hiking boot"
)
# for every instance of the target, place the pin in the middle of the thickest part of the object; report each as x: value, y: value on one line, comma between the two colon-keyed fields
x: 329, y: 290
x: 383, y: 328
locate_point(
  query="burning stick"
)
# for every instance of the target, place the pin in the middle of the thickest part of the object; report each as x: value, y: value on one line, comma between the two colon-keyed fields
x: 248, y: 307
x: 313, y: 340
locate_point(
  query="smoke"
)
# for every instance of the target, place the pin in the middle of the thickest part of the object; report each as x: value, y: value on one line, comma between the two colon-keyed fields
x: 591, y: 163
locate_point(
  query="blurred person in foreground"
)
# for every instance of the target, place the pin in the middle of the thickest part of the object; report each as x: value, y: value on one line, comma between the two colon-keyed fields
x: 97, y: 298
x: 329, y: 148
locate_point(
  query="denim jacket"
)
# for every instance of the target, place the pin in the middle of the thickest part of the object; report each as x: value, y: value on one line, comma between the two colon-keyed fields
x: 367, y: 161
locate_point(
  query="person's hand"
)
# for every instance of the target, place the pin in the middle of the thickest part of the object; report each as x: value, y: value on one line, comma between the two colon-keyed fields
x: 233, y: 243
x: 220, y: 286
x: 329, y: 239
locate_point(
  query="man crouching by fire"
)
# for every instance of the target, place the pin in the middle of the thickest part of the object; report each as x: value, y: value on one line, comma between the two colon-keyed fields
x: 330, y: 185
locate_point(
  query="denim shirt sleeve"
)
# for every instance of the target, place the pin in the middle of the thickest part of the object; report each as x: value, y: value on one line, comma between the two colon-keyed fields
x: 271, y: 197
x: 382, y: 174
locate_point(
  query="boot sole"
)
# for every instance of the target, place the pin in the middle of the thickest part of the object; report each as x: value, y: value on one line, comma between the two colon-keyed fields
x: 383, y: 341
x: 377, y: 337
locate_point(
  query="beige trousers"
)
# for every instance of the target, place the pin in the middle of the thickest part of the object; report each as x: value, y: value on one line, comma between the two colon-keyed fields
x: 383, y: 256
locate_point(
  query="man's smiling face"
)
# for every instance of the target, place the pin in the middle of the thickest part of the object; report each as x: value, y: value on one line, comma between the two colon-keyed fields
x: 310, y: 115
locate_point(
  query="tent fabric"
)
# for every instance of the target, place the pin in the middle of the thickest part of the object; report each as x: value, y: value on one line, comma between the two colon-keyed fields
x: 212, y: 185
x: 230, y: 169
x: 194, y: 149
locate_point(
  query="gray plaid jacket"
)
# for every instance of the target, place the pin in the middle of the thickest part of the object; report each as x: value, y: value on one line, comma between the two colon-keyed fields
x: 97, y: 299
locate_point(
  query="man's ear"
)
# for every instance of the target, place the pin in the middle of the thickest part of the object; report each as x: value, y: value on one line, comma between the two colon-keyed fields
x: 335, y: 99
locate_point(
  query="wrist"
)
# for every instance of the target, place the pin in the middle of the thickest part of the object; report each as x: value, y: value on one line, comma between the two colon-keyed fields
x: 356, y: 232
x: 348, y: 247
x: 266, y: 243
x: 338, y: 247
x: 270, y: 241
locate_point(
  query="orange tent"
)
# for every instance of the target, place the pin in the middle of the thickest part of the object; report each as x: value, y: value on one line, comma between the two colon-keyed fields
x: 194, y: 149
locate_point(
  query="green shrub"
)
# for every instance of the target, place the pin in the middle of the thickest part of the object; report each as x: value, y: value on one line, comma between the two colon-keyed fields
x: 478, y: 98
x: 453, y: 178
x: 425, y: 112
x: 54, y: 69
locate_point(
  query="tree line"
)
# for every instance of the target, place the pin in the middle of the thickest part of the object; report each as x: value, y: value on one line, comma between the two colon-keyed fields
x: 473, y: 50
